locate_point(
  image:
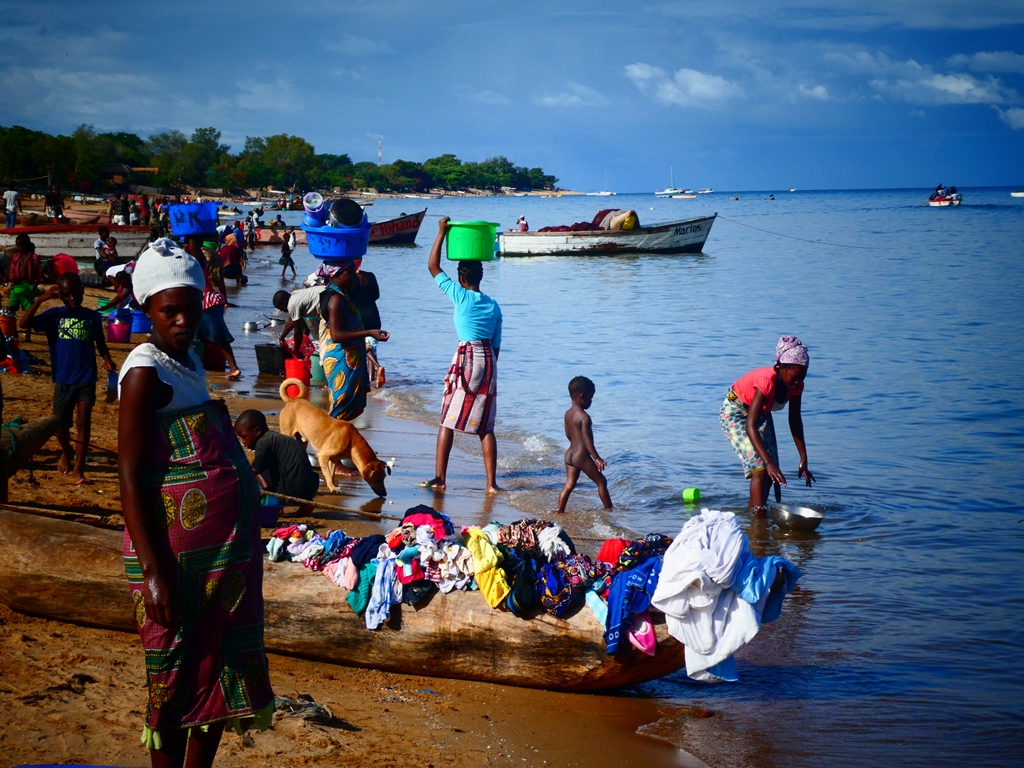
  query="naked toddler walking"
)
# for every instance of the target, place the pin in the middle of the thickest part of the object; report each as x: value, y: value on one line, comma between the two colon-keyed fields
x: 582, y: 456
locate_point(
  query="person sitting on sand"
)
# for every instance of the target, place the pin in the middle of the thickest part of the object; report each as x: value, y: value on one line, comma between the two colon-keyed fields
x: 747, y: 418
x: 303, y: 308
x: 74, y: 335
x: 471, y: 386
x: 581, y: 455
x: 281, y: 465
x: 195, y: 571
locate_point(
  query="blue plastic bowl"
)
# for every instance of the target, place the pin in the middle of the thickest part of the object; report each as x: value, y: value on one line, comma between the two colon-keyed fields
x: 338, y: 243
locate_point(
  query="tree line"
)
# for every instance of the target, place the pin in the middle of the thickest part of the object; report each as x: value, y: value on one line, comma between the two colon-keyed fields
x: 83, y: 160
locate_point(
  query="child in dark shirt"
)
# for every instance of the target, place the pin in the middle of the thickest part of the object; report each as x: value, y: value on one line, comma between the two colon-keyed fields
x: 582, y: 456
x: 286, y: 259
x: 74, y: 334
x: 281, y: 465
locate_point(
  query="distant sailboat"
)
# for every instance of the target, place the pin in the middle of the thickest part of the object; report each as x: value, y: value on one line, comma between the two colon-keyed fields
x: 605, y: 193
x: 670, y: 189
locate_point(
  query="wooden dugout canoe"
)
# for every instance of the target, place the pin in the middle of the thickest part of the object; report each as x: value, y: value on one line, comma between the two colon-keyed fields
x: 454, y: 636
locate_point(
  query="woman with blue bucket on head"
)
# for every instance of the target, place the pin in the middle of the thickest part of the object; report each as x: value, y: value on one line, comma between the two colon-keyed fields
x: 471, y: 386
x: 342, y: 345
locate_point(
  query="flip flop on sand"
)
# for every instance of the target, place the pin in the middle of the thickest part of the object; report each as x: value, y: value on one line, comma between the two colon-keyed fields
x: 431, y: 484
x: 233, y: 376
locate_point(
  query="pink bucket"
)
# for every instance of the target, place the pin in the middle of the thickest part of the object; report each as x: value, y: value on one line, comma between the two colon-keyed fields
x: 119, y: 333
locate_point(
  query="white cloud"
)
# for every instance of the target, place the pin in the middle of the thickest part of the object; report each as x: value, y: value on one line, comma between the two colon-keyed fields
x: 686, y: 88
x: 351, y: 45
x: 990, y: 61
x: 576, y: 96
x: 819, y: 92
x: 1013, y: 117
x: 468, y: 94
x: 933, y: 88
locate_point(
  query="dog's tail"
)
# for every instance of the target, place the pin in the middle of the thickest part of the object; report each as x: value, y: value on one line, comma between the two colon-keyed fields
x: 298, y: 383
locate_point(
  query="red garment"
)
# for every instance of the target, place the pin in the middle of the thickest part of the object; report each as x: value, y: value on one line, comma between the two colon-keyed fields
x: 767, y: 381
x: 63, y: 264
x: 25, y: 268
x: 611, y: 549
x: 230, y: 255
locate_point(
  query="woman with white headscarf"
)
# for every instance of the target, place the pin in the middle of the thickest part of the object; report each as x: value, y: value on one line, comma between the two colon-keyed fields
x: 192, y: 547
x: 747, y: 418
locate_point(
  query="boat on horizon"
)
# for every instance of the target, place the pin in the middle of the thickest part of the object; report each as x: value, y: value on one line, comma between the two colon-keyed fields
x: 684, y: 236
x: 705, y: 191
x: 1017, y: 194
x: 943, y: 197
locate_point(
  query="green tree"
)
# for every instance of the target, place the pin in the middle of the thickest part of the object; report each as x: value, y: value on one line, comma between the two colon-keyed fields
x: 289, y: 160
x: 164, y: 149
x: 447, y: 171
x: 195, y: 162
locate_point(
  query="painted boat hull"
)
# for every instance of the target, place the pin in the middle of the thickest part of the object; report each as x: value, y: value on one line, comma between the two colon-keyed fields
x: 306, y: 615
x: 944, y: 202
x: 273, y: 235
x: 686, y: 236
x: 402, y: 230
x: 76, y: 240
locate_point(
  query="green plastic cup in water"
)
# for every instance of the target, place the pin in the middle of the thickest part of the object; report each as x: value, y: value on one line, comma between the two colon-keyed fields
x: 691, y: 494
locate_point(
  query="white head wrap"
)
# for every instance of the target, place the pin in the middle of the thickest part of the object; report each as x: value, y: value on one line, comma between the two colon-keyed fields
x: 165, y: 265
x: 791, y: 351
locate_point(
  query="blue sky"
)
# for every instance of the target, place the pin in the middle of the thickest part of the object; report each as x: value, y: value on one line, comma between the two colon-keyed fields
x: 729, y: 94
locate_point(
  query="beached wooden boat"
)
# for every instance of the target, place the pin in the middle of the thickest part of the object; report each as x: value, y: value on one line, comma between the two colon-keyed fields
x: 454, y: 636
x: 397, y: 231
x: 76, y: 240
x: 686, y: 236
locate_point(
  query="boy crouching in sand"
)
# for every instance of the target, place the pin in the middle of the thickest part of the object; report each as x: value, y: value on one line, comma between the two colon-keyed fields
x: 281, y: 465
x: 74, y: 334
x: 582, y: 456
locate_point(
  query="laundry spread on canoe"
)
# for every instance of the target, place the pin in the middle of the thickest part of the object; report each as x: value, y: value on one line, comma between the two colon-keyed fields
x: 713, y: 591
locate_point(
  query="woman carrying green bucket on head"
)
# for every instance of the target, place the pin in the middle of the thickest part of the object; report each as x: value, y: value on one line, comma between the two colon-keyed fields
x: 471, y: 386
x: 747, y: 418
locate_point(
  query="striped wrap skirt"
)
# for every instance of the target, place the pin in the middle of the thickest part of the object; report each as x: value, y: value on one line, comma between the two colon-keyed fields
x: 471, y: 389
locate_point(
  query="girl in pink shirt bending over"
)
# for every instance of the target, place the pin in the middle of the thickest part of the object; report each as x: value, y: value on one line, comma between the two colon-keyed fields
x: 747, y: 418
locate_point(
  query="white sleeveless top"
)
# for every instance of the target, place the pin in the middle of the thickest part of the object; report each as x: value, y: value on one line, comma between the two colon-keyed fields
x: 189, y: 386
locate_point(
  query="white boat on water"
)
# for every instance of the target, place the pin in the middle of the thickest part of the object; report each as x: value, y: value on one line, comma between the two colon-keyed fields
x: 686, y: 236
x: 705, y: 191
x: 1017, y: 194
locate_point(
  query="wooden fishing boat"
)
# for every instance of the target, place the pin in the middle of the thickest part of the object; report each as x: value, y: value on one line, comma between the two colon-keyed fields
x: 397, y: 231
x: 686, y: 236
x: 276, y: 235
x: 454, y: 636
x: 76, y: 239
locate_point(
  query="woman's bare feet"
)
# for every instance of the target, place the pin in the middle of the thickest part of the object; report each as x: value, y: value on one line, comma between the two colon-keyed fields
x: 434, y: 484
x: 233, y: 374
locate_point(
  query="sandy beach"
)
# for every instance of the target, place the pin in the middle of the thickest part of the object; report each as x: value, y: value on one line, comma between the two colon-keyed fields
x: 76, y: 695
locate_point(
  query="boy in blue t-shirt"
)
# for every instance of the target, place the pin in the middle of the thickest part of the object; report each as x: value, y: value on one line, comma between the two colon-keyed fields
x: 74, y: 335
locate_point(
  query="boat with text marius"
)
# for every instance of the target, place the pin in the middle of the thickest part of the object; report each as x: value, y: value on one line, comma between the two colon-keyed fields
x: 685, y: 236
x: 943, y: 197
x: 398, y: 231
x: 77, y: 240
x: 453, y: 635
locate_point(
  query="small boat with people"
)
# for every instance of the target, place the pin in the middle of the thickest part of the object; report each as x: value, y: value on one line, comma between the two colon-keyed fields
x: 944, y: 197
x: 77, y: 240
x: 602, y: 238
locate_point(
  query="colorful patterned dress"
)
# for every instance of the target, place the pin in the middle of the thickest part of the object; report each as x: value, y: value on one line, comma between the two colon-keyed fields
x: 344, y: 365
x: 202, y: 496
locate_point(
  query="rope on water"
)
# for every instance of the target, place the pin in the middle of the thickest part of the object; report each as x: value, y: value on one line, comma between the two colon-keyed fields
x: 802, y: 239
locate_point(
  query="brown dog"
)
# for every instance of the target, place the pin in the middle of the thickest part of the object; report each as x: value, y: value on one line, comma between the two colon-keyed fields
x: 332, y: 439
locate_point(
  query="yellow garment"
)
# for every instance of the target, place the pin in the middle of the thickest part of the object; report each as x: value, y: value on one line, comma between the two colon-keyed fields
x: 486, y: 558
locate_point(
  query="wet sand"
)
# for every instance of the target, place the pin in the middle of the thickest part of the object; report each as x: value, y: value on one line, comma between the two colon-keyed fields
x: 76, y: 694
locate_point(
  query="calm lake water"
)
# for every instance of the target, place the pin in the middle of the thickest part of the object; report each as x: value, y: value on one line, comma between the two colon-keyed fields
x: 901, y: 644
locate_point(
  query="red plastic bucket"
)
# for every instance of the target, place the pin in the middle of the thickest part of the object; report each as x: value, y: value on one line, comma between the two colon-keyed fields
x: 296, y: 369
x: 8, y: 323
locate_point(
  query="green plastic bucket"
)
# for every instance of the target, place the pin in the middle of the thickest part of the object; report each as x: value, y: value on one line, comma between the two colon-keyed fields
x: 471, y: 240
